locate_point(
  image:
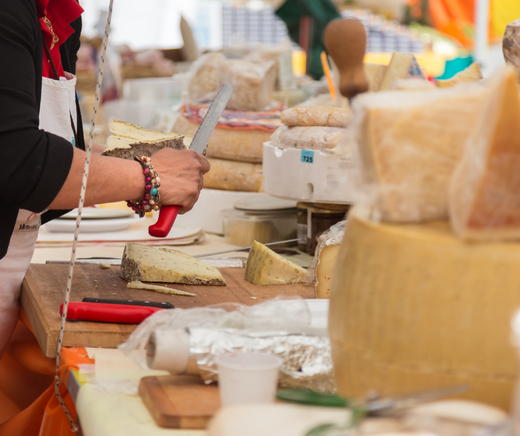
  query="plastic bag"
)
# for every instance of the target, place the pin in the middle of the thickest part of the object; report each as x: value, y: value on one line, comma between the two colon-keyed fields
x: 315, y: 116
x: 329, y: 238
x: 252, y: 82
x: 309, y: 138
x: 203, y: 76
x: 408, y: 144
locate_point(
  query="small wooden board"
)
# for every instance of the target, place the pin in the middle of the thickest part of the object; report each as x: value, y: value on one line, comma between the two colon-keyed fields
x: 179, y: 401
x: 44, y: 285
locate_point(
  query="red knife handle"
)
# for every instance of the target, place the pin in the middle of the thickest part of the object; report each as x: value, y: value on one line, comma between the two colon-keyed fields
x: 101, y: 312
x: 164, y: 224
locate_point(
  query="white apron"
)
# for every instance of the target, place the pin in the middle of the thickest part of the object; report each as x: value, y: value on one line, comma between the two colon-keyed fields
x: 58, y: 105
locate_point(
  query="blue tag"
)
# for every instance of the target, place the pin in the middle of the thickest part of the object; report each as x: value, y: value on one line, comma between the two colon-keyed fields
x: 307, y: 156
x: 73, y: 142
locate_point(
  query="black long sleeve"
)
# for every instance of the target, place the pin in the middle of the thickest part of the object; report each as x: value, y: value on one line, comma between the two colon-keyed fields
x: 35, y: 163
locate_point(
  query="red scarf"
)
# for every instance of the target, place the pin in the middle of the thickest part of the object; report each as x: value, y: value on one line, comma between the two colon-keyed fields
x: 60, y: 13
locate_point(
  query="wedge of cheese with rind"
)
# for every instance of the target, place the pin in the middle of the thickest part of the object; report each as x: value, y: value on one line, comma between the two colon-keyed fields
x: 265, y: 267
x: 470, y: 74
x: 154, y: 264
x: 484, y: 192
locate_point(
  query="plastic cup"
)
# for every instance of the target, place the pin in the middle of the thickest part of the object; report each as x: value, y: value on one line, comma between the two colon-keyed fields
x: 246, y: 378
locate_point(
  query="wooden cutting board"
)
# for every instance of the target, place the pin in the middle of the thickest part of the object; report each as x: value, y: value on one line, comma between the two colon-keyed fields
x: 44, y: 287
x: 179, y: 401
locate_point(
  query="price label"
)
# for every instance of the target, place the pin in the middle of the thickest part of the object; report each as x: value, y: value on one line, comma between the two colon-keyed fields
x: 307, y: 156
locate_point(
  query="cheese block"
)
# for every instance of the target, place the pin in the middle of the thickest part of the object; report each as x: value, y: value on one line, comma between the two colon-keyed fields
x: 398, y: 69
x: 470, y: 74
x: 375, y: 74
x: 152, y: 264
x: 265, y: 267
x: 484, y: 192
x: 232, y: 144
x: 511, y: 45
x: 252, y: 82
x: 233, y: 176
x: 413, y: 307
x: 310, y: 138
x: 315, y: 116
x: 128, y: 140
x: 410, y: 143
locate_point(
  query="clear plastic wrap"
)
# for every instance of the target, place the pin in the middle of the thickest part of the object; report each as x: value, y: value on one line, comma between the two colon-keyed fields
x: 203, y: 76
x: 484, y: 192
x: 309, y: 138
x: 408, y: 145
x: 252, y: 82
x: 315, y: 116
x: 275, y: 326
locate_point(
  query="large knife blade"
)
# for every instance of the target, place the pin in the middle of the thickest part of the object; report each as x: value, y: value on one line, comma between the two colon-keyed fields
x: 167, y: 214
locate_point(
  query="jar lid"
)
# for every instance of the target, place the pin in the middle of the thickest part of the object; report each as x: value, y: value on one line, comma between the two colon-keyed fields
x: 265, y: 204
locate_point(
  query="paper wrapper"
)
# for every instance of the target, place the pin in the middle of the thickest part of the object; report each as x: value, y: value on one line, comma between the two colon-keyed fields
x: 309, y: 138
x: 203, y: 76
x: 408, y: 145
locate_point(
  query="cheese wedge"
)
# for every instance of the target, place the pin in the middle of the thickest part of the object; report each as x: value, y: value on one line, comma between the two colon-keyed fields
x: 484, y: 193
x: 152, y: 264
x: 398, y: 69
x: 410, y: 143
x: 375, y: 74
x: 324, y: 269
x: 265, y: 267
x: 470, y: 74
x: 131, y: 131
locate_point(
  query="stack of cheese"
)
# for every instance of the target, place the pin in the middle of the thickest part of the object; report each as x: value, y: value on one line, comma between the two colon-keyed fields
x: 311, y: 128
x: 414, y: 306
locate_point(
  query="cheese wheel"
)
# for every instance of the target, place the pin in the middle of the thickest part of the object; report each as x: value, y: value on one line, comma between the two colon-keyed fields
x: 310, y: 138
x: 233, y: 176
x: 413, y: 307
x: 232, y: 144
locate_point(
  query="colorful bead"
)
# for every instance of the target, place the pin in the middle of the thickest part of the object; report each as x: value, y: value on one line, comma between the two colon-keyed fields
x: 147, y: 196
x: 148, y: 187
x: 154, y: 191
x: 146, y: 171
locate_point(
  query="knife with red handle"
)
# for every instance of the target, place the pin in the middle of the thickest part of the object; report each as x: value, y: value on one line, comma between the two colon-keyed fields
x: 167, y: 214
x: 100, y: 312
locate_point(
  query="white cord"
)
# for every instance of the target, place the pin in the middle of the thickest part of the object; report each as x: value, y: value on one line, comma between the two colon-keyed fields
x: 74, y: 426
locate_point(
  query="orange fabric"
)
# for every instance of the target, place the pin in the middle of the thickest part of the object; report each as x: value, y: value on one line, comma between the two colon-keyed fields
x: 28, y: 404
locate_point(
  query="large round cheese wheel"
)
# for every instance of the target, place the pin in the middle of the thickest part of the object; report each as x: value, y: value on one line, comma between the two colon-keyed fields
x: 412, y: 307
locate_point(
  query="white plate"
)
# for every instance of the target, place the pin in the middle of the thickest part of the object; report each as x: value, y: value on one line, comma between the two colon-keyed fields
x: 96, y: 213
x: 90, y: 226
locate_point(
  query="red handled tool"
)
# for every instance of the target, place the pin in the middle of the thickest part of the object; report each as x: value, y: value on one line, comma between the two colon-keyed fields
x: 100, y: 312
x: 167, y: 214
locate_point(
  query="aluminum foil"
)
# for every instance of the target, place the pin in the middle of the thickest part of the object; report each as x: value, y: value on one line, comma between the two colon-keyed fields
x: 307, y: 359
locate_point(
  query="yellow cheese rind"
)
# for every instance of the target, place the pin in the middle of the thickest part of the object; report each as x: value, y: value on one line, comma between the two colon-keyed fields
x: 265, y: 267
x: 470, y: 74
x: 484, y: 192
x: 153, y: 264
x: 409, y: 144
x: 233, y: 176
x: 161, y: 289
x: 413, y: 307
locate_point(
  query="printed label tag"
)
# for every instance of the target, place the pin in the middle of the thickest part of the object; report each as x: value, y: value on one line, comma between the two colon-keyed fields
x: 307, y: 156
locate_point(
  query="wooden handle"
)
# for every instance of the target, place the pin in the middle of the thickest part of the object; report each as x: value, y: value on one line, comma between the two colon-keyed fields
x: 345, y: 40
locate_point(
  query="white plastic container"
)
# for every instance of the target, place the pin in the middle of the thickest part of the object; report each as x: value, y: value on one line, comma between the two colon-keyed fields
x: 307, y: 175
x: 247, y: 378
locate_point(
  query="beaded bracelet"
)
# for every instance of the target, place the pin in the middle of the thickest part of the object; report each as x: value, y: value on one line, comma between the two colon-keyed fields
x: 151, y: 196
